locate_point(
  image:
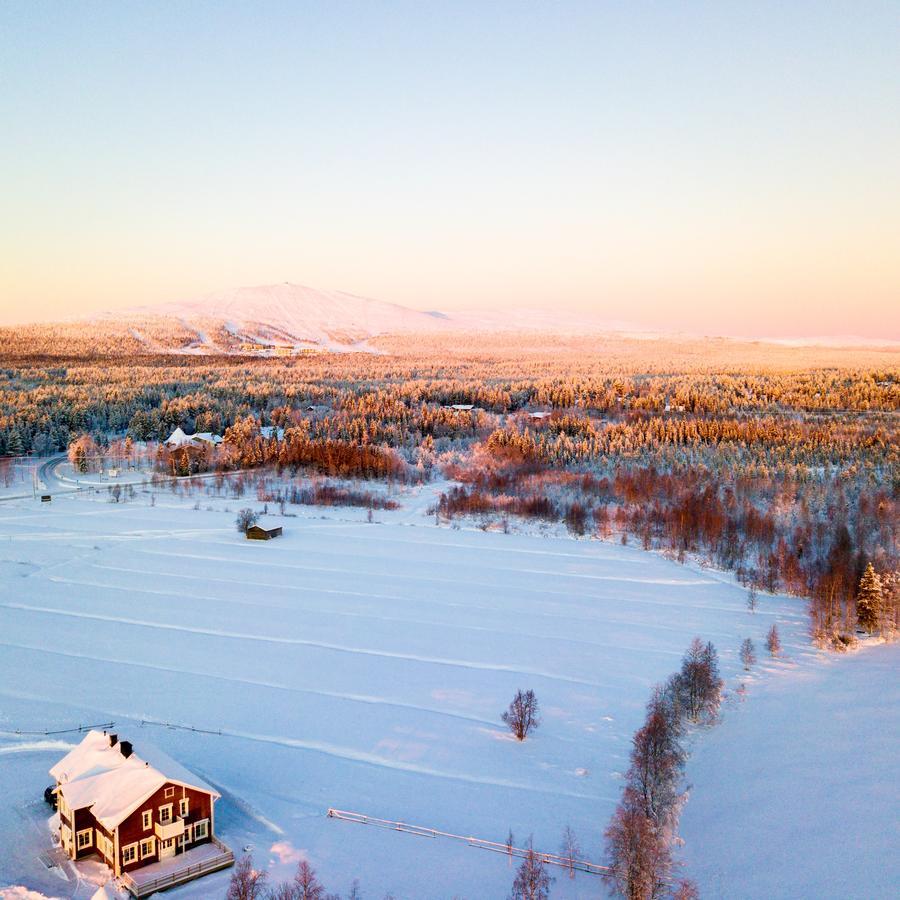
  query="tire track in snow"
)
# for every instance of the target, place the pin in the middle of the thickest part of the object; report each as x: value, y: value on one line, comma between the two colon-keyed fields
x: 326, y: 611
x: 459, y: 583
x: 253, y: 682
x: 300, y: 642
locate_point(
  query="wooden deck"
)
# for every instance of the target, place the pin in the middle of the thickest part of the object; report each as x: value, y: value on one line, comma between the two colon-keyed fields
x: 198, y: 861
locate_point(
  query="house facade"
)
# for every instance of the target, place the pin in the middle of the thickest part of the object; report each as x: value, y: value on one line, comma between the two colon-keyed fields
x: 129, y: 811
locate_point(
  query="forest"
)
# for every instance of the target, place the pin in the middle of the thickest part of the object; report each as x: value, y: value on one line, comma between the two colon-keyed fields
x: 779, y: 464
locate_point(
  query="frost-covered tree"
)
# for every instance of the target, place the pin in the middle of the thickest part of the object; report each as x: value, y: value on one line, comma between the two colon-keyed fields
x: 532, y: 881
x: 773, y: 641
x: 637, y: 853
x: 522, y: 715
x: 246, y: 518
x: 306, y: 885
x: 657, y: 760
x: 752, y: 598
x: 246, y: 882
x: 748, y: 654
x: 869, y: 600
x: 698, y: 684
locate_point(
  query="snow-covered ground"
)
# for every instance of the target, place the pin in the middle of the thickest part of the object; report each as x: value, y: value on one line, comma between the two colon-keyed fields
x: 365, y: 667
x: 796, y: 792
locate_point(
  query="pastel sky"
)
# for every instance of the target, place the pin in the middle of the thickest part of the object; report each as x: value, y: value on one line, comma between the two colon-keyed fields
x: 731, y: 167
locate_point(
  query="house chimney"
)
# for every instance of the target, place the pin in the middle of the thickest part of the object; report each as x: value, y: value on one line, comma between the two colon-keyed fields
x: 125, y: 748
x: 112, y: 739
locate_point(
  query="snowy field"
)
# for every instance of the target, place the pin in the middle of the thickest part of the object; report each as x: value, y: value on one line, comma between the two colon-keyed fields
x: 364, y: 666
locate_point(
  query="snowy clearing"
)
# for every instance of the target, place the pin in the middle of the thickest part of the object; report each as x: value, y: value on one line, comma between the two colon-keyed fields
x: 365, y: 667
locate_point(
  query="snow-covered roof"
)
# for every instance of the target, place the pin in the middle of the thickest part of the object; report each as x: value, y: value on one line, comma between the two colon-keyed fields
x: 178, y: 438
x: 269, y: 431
x: 97, y: 775
x: 268, y: 524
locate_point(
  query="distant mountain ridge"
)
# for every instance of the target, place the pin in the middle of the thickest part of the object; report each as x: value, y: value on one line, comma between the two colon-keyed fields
x: 287, y: 319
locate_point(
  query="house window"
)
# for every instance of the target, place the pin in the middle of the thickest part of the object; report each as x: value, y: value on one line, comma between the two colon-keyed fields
x: 129, y: 854
x: 201, y: 829
x: 84, y: 838
x: 165, y: 814
x: 183, y: 805
x: 148, y: 847
x: 188, y: 836
x: 170, y: 792
x: 147, y: 819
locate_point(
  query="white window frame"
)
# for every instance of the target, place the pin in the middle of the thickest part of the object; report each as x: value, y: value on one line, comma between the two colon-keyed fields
x: 129, y: 854
x: 151, y: 843
x: 83, y: 845
x: 165, y: 814
x: 170, y: 792
x: 184, y: 806
x: 201, y: 826
x: 147, y: 819
x: 188, y: 834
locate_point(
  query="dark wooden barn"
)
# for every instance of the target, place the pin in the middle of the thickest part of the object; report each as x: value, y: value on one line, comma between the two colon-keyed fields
x: 263, y: 532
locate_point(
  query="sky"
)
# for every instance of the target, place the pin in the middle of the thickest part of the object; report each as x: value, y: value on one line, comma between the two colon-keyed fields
x: 727, y: 167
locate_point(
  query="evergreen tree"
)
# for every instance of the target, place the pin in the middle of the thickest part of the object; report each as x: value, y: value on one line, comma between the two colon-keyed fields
x: 773, y: 641
x: 15, y: 445
x: 869, y: 600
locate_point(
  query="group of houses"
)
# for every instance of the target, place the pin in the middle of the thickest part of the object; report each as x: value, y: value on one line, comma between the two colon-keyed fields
x: 150, y: 820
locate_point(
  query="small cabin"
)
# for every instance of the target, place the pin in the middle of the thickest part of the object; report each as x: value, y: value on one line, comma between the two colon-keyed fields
x: 263, y: 532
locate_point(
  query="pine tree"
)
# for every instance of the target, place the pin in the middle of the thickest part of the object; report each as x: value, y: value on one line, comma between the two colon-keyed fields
x: 15, y: 446
x: 773, y: 641
x: 869, y: 600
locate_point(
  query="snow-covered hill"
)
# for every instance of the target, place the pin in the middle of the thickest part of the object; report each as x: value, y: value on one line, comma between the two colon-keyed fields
x: 278, y: 315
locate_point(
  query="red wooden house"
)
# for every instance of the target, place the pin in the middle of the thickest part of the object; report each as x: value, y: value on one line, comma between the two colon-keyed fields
x: 136, y: 811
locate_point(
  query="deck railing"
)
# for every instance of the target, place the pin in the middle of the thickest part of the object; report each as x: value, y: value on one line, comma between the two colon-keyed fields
x: 221, y: 860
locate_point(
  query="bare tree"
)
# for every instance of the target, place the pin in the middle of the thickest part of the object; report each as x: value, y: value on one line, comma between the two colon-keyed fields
x: 752, y: 598
x: 748, y: 654
x: 699, y: 684
x: 522, y: 715
x: 246, y: 883
x: 570, y: 849
x: 307, y: 885
x: 657, y: 760
x: 246, y: 519
x: 355, y: 892
x: 284, y: 891
x: 773, y: 641
x: 637, y: 853
x: 532, y: 881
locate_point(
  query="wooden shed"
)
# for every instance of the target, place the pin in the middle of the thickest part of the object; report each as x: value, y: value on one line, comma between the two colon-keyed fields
x: 263, y: 532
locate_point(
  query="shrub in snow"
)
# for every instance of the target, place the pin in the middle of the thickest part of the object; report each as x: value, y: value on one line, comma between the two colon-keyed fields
x: 522, y: 715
